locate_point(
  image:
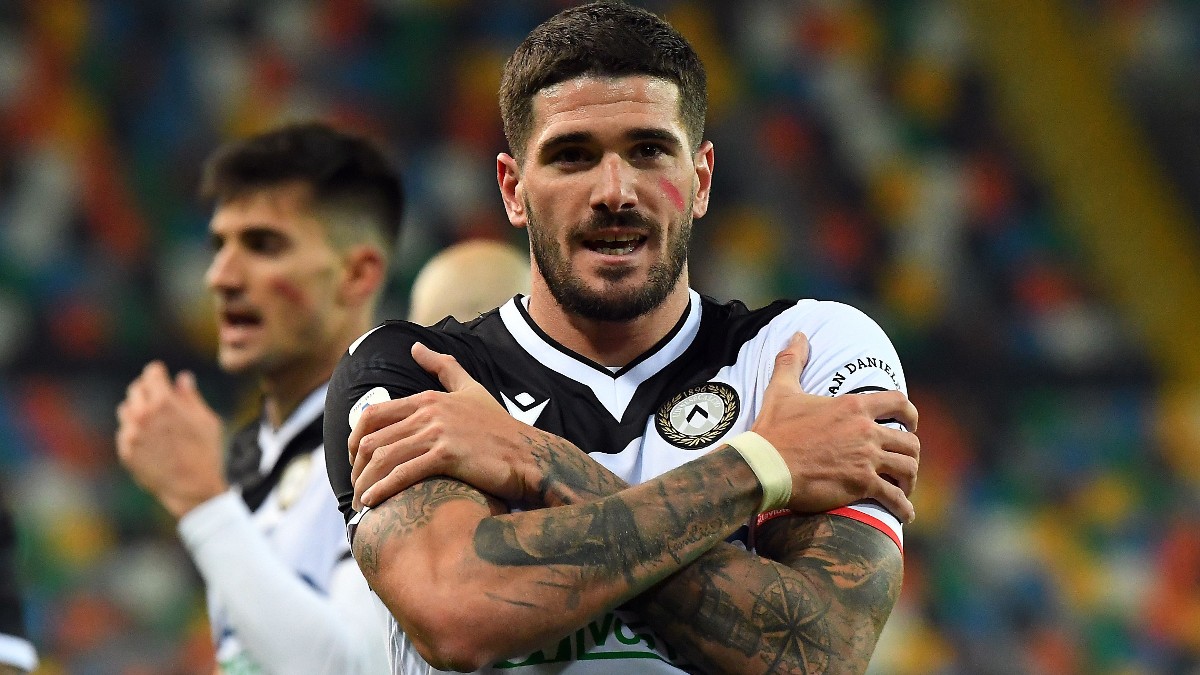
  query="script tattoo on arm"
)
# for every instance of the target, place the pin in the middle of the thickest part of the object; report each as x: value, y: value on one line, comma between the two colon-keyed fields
x: 404, y: 513
x: 817, y: 608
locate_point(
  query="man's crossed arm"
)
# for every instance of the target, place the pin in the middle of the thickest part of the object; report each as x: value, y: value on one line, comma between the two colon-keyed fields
x: 471, y: 584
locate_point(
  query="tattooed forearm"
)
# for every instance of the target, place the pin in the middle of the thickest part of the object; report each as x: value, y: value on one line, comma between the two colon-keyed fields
x: 617, y: 537
x: 821, y: 613
x: 404, y: 513
x: 712, y: 610
x: 568, y: 475
x: 863, y: 564
x: 586, y: 536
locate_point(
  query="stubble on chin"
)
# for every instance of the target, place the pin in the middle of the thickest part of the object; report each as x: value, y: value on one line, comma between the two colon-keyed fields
x: 619, y: 297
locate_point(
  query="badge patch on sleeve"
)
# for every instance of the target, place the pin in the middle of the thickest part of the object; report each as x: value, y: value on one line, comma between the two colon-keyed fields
x: 695, y: 418
x: 376, y: 395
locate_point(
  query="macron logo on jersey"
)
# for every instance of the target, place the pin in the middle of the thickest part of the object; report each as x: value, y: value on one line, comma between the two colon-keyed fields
x: 524, y: 407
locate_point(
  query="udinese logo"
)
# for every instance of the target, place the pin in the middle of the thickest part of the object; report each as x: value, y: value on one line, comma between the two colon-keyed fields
x: 695, y: 418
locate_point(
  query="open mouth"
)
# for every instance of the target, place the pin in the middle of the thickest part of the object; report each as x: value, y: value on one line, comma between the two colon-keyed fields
x: 615, y: 244
x: 240, y: 318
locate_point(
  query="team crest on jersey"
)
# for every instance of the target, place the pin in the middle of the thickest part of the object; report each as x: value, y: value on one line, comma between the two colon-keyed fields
x: 294, y: 480
x: 695, y: 418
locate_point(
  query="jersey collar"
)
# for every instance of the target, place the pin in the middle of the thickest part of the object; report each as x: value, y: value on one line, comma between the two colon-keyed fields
x: 613, y: 390
x: 272, y: 441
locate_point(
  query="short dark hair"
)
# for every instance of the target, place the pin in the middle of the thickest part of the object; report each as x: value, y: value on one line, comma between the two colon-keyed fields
x: 608, y: 39
x: 347, y: 174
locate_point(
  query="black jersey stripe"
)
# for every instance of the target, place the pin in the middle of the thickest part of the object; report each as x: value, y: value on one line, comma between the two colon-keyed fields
x: 658, y: 346
x: 244, y: 455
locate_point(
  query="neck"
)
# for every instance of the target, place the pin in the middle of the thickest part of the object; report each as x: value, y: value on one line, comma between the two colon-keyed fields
x: 286, y: 388
x: 609, y: 343
x: 281, y: 396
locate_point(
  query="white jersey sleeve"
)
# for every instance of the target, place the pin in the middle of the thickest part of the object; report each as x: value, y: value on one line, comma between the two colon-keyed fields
x: 848, y: 354
x: 17, y: 652
x: 284, y: 623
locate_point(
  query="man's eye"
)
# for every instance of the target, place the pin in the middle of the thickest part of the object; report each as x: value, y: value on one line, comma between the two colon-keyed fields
x: 266, y: 243
x: 649, y: 151
x: 570, y: 156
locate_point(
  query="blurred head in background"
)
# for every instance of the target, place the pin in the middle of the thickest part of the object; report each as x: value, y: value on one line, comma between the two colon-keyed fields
x: 467, y: 279
x: 305, y: 217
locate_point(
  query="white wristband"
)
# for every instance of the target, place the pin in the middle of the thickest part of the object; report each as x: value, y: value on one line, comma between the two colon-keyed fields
x: 772, y: 472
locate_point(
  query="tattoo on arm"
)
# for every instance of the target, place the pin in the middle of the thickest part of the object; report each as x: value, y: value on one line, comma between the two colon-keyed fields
x: 569, y: 476
x: 613, y: 538
x: 818, y: 610
x: 405, y: 513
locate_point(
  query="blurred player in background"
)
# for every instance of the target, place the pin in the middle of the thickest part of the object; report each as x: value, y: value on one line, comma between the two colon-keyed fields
x: 305, y: 218
x: 16, y: 652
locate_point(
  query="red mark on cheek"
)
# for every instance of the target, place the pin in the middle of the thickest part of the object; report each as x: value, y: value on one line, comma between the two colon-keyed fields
x: 289, y: 292
x: 672, y: 192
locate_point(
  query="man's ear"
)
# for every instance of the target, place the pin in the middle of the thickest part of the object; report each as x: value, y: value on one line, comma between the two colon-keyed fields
x: 703, y: 160
x: 364, y: 273
x: 508, y: 177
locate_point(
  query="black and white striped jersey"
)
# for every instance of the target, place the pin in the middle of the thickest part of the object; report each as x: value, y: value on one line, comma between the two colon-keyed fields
x: 703, y: 382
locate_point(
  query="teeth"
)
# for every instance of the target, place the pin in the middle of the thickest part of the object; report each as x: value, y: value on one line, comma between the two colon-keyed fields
x: 624, y: 250
x: 615, y: 244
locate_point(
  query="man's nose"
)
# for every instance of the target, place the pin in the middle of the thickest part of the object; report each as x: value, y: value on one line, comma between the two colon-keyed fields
x: 615, y: 187
x: 224, y: 273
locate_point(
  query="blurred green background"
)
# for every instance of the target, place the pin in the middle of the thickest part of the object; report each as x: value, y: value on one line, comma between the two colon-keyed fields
x: 1010, y: 187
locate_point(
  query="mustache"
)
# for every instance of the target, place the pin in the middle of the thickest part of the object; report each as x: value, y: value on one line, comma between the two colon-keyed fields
x: 601, y: 220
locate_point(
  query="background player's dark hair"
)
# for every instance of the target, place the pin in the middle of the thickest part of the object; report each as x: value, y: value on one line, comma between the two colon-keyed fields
x: 353, y: 184
x: 600, y: 38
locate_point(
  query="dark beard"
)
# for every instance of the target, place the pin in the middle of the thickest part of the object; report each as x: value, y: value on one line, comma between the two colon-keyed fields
x: 576, y: 298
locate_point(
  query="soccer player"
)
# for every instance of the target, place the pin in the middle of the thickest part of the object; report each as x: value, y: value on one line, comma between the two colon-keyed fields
x: 467, y: 278
x: 305, y: 217
x: 17, y: 654
x: 616, y: 474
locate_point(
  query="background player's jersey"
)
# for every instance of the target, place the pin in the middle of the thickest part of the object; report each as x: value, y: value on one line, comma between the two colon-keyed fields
x: 282, y: 477
x: 703, y: 382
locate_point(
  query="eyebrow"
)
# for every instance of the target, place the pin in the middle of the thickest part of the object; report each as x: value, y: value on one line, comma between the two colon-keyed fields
x: 252, y: 230
x: 636, y: 134
x: 568, y: 139
x: 653, y: 134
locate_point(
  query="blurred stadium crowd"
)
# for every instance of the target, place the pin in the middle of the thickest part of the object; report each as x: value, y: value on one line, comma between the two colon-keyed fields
x: 863, y: 155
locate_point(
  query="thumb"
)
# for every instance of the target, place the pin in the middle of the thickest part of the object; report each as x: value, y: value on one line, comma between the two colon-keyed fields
x: 790, y: 362
x: 443, y: 366
x: 185, y: 383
